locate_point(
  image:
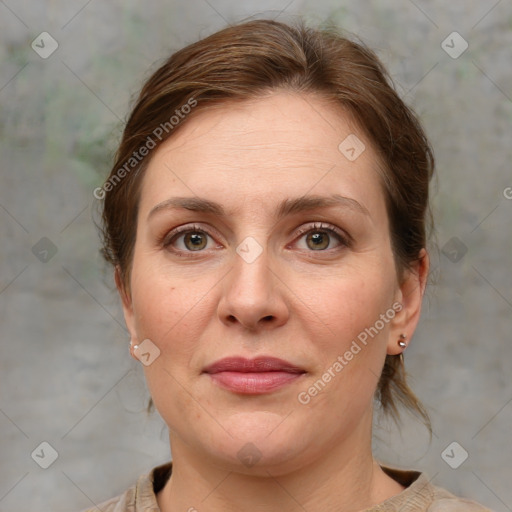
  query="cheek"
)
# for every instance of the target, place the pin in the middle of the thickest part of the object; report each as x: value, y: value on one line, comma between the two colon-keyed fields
x: 347, y: 304
x: 349, y: 344
x: 168, y: 310
x: 162, y: 301
x: 172, y: 311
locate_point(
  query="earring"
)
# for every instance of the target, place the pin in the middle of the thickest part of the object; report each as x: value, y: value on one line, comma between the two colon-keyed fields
x: 133, y: 348
x: 401, y: 341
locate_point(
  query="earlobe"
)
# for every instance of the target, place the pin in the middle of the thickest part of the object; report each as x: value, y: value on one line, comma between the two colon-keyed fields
x: 133, y: 348
x: 411, y: 291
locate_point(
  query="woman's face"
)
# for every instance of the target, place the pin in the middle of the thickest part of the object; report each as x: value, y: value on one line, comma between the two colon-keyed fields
x: 270, y: 313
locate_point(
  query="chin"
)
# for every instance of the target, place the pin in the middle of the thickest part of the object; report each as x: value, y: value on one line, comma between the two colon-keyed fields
x: 259, y: 443
x: 258, y: 459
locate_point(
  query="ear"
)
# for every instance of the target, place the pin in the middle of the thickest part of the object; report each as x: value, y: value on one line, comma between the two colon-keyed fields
x: 126, y: 301
x: 410, y: 296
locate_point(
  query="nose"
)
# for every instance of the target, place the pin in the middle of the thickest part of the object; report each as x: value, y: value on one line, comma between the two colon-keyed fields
x: 253, y: 295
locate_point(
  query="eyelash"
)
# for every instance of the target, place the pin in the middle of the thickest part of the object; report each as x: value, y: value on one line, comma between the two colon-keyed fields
x: 168, y: 239
x: 344, y: 239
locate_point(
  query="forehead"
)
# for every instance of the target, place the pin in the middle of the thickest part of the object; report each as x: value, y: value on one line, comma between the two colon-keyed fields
x: 259, y: 150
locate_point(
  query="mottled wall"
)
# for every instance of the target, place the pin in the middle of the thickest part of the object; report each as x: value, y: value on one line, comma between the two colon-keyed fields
x: 66, y: 376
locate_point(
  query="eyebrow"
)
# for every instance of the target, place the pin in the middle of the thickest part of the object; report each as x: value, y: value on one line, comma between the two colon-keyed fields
x: 286, y: 207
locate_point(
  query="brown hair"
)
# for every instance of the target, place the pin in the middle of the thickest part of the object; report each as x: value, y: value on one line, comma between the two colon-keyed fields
x: 253, y: 58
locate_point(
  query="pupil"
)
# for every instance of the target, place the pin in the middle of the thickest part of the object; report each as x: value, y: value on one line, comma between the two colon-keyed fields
x: 196, y: 241
x: 318, y: 240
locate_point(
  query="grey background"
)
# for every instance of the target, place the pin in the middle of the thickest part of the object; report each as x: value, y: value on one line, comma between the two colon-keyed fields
x: 66, y: 376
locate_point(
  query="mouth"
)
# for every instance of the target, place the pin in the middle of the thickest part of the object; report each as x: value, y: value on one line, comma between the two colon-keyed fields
x: 253, y: 376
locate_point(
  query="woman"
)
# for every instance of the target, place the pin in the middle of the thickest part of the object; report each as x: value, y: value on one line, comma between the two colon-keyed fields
x: 266, y: 217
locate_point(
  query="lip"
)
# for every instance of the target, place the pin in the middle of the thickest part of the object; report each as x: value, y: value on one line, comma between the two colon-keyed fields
x: 253, y: 376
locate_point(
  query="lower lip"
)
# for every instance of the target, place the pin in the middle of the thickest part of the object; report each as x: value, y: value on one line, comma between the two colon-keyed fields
x: 254, y: 383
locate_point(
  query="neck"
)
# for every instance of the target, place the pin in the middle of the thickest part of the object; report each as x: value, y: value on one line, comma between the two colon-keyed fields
x: 346, y: 478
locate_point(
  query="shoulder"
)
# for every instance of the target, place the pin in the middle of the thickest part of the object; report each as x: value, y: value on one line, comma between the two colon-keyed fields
x: 445, y: 501
x: 123, y: 503
x: 141, y: 497
x: 420, y: 495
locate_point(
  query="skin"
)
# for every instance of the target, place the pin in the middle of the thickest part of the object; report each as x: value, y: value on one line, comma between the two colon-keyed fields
x: 295, y: 302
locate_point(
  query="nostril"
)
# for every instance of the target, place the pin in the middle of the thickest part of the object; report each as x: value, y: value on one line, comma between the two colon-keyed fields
x: 232, y: 319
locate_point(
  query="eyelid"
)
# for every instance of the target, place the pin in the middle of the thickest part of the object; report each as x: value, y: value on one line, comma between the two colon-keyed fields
x: 167, y: 238
x: 343, y: 236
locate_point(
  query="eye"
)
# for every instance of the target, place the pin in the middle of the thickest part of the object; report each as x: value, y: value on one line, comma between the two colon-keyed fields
x: 321, y: 237
x: 195, y: 240
x: 189, y: 239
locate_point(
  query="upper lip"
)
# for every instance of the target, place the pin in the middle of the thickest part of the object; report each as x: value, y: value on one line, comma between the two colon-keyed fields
x: 256, y: 365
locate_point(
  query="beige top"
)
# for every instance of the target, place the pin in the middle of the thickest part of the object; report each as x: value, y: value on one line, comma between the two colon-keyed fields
x: 419, y: 496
